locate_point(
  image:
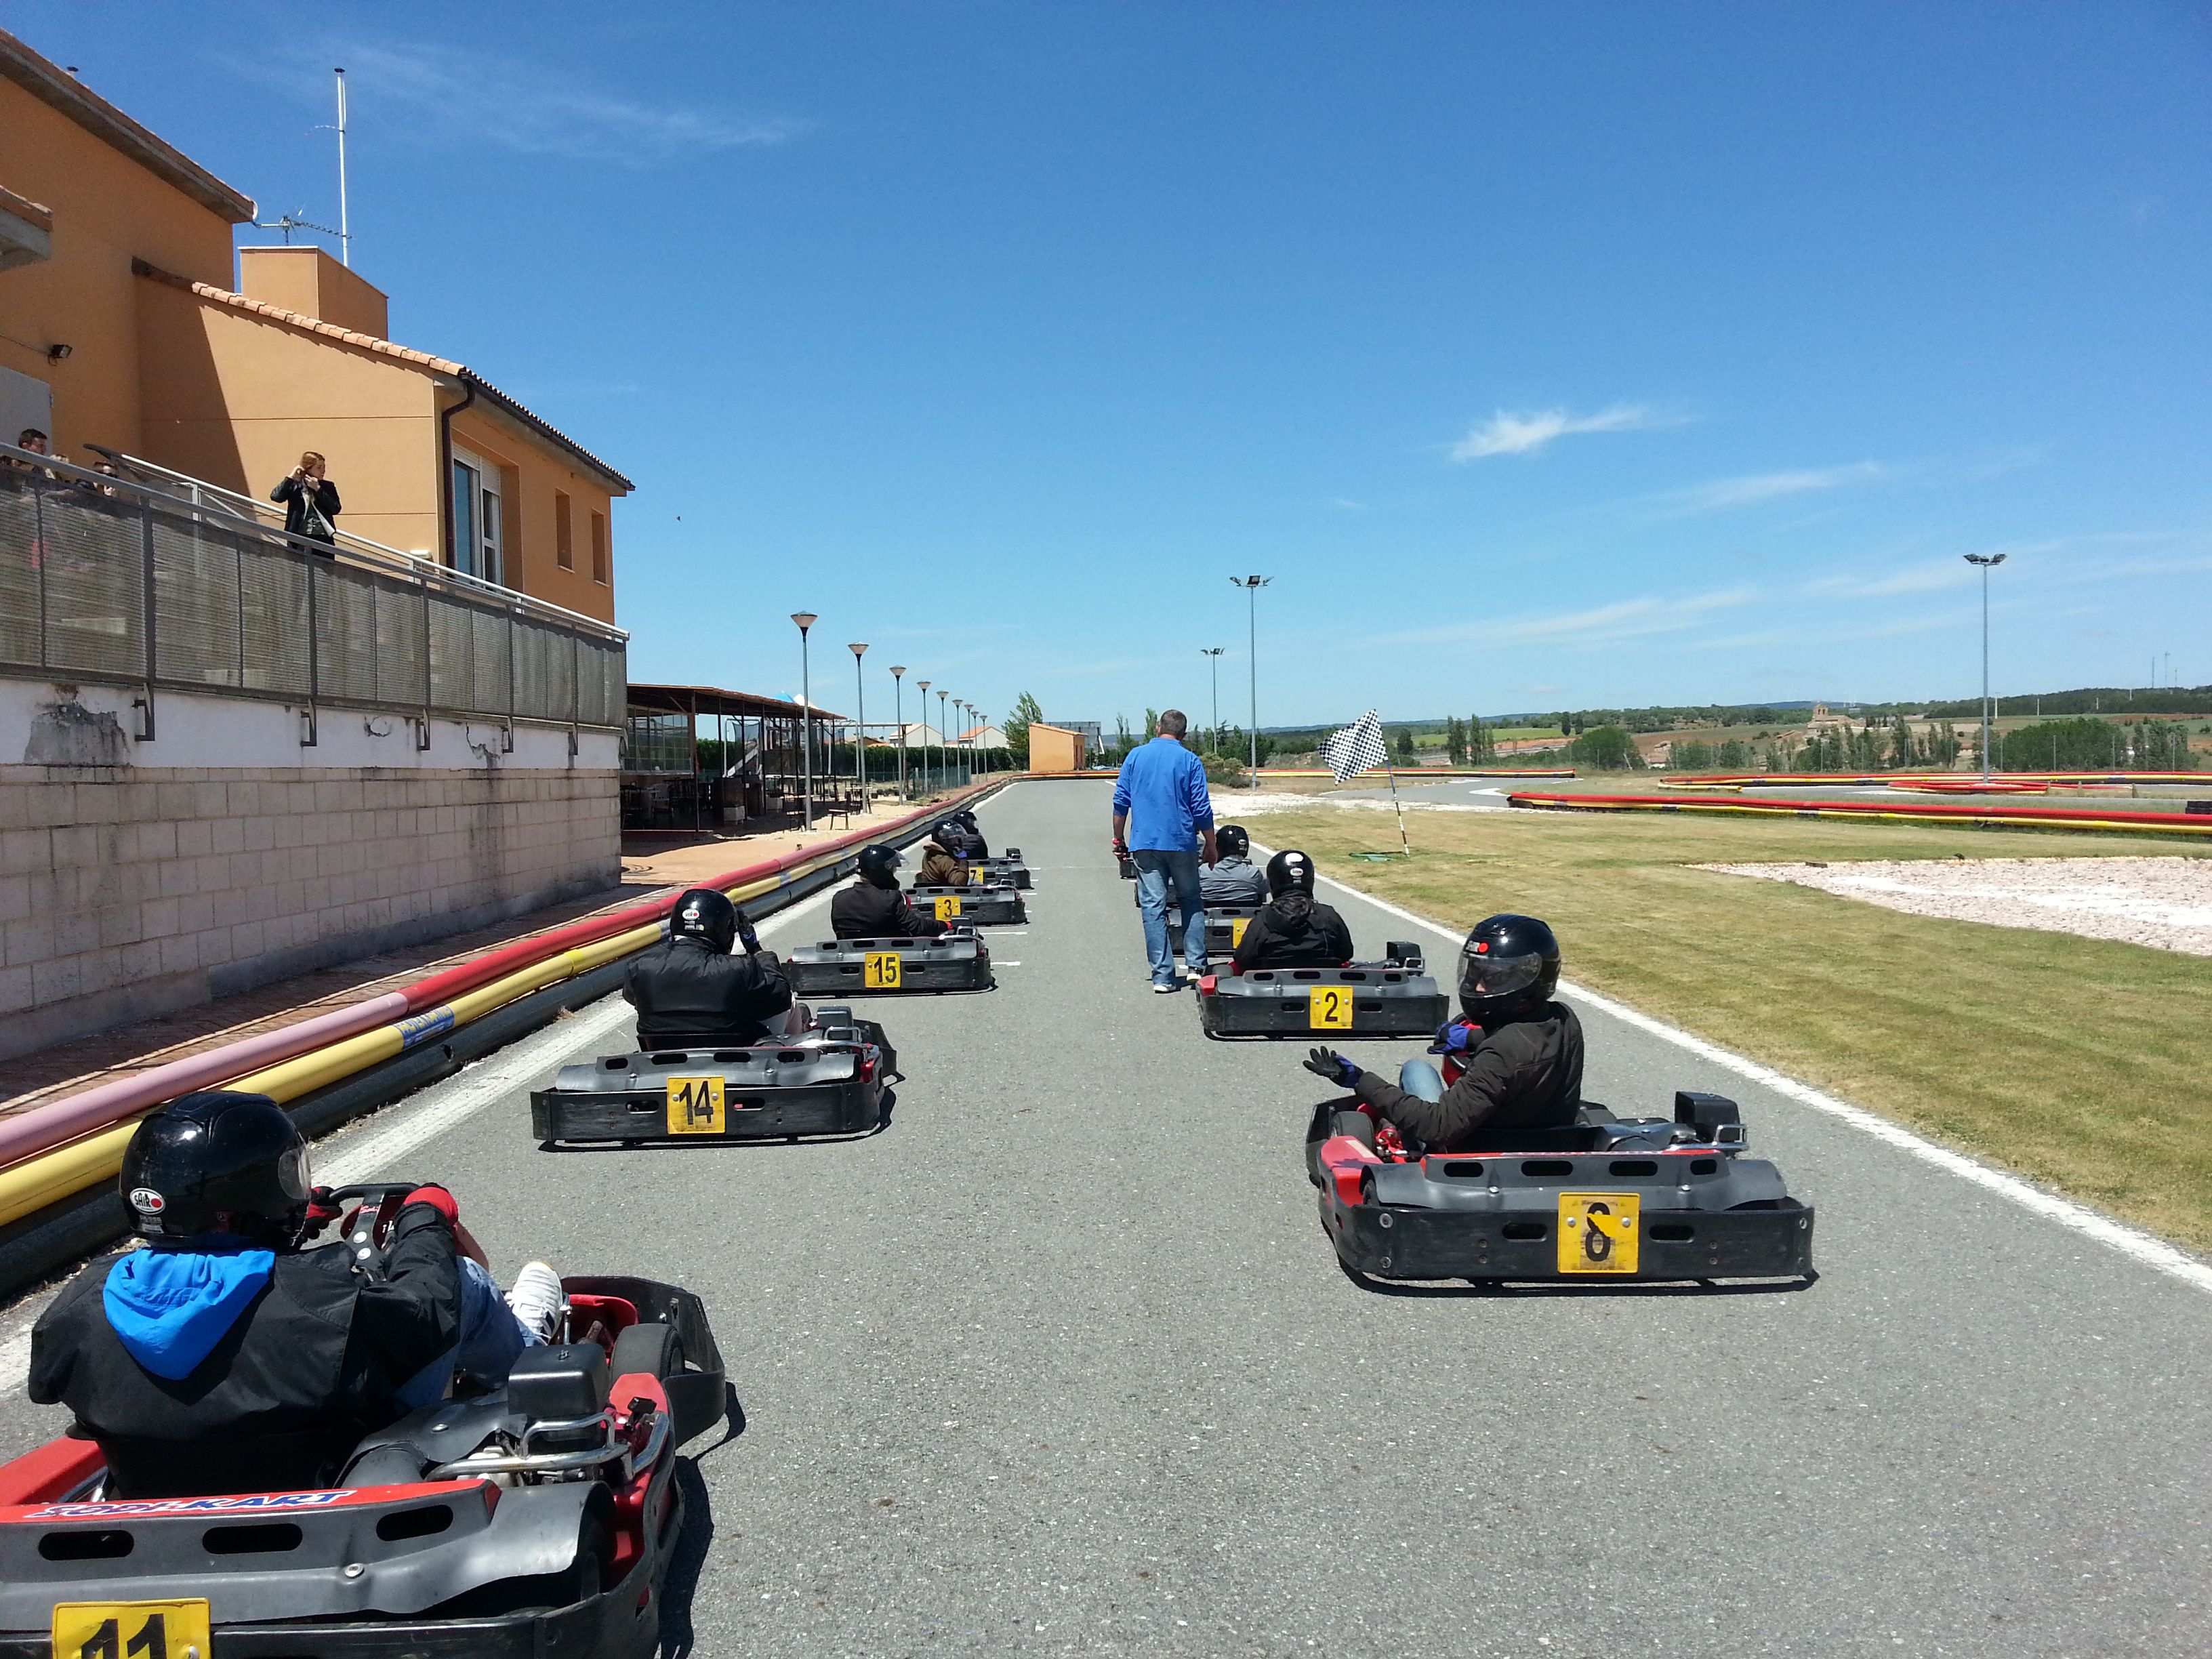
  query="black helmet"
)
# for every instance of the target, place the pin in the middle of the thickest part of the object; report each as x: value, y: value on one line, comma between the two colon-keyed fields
x: 1509, y: 964
x: 880, y: 866
x: 705, y: 914
x: 964, y: 818
x: 1231, y: 842
x: 218, y: 1162
x: 1290, y: 870
x: 948, y: 834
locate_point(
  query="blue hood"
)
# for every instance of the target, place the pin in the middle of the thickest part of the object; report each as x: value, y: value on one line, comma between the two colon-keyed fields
x: 169, y: 1308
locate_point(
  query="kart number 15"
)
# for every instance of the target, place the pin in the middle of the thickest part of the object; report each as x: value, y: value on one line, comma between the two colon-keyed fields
x: 695, y: 1106
x: 1599, y: 1231
x: 885, y: 967
x: 948, y: 907
x: 1329, y: 1008
x: 132, y: 1630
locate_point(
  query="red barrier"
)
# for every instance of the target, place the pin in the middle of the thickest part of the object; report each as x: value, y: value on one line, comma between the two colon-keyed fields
x: 1887, y: 809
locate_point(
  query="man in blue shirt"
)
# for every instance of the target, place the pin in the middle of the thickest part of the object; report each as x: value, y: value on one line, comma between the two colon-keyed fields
x: 1161, y: 813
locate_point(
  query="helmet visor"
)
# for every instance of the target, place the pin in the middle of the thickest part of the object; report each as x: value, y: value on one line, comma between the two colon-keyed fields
x: 1498, y: 976
x: 293, y: 1174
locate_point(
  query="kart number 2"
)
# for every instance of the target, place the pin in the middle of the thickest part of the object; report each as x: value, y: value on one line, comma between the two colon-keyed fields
x: 695, y: 1106
x: 1599, y: 1232
x: 884, y: 969
x: 1329, y: 1008
x: 132, y: 1630
x: 948, y: 907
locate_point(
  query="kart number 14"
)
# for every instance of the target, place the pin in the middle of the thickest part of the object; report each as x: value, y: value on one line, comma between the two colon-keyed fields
x: 1329, y: 1008
x: 132, y: 1630
x: 884, y: 969
x: 696, y: 1106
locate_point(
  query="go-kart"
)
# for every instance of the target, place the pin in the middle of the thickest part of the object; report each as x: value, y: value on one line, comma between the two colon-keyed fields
x: 977, y: 906
x: 830, y: 1082
x: 1648, y: 1198
x: 1004, y: 869
x: 1224, y: 929
x: 1394, y: 998
x: 958, y: 961
x: 537, y: 1519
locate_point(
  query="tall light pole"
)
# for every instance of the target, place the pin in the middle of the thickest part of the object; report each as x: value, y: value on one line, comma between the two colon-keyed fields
x: 1252, y: 585
x: 806, y: 619
x: 924, y: 685
x: 944, y: 737
x: 859, y: 724
x: 1986, y: 560
x: 1214, y: 652
x: 898, y: 715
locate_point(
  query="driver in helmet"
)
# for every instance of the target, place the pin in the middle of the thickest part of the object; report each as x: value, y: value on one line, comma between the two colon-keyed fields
x: 1233, y: 878
x: 945, y: 857
x: 874, y: 907
x: 224, y: 1357
x: 1293, y: 930
x: 1518, y: 1053
x: 691, y: 991
x: 972, y: 844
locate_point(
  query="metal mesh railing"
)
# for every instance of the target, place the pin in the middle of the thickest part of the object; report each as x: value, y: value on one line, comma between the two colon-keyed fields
x: 104, y: 579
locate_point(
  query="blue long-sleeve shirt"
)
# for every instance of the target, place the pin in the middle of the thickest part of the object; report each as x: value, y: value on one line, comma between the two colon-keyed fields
x: 1162, y: 789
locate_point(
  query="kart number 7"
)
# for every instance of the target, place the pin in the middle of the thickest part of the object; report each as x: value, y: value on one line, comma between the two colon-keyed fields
x: 1329, y: 1008
x: 132, y: 1630
x: 695, y: 1106
x: 1237, y: 927
x: 1599, y: 1232
x: 948, y: 907
x: 884, y: 969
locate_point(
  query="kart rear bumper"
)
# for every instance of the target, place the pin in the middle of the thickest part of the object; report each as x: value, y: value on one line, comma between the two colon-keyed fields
x: 979, y: 907
x: 1389, y: 1004
x: 1521, y: 1245
x: 852, y: 1107
x: 840, y: 969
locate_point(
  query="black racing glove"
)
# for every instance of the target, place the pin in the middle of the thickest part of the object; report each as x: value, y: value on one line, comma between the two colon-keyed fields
x: 1327, y: 1062
x: 746, y: 936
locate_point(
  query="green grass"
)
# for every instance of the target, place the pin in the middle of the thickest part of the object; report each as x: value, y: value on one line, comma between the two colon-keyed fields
x: 2080, y: 1063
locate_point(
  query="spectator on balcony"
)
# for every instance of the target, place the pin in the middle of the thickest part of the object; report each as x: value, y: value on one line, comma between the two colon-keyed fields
x: 310, y: 500
x: 32, y: 439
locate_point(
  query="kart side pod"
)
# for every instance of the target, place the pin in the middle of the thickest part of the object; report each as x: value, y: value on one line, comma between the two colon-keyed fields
x: 890, y: 967
x: 1366, y: 999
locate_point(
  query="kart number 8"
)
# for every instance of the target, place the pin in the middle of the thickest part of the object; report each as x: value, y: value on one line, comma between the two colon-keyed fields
x: 132, y: 1630
x: 885, y: 967
x: 1329, y: 1008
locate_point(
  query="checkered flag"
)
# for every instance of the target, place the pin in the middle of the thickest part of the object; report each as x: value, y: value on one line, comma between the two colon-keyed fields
x: 1357, y: 748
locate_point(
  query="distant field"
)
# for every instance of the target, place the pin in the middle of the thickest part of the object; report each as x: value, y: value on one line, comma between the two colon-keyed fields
x: 2080, y: 1063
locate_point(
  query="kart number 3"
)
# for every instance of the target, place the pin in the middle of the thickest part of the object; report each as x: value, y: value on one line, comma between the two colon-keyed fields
x: 1599, y: 1232
x: 948, y: 907
x: 132, y: 1630
x: 884, y: 970
x: 695, y: 1106
x: 1329, y: 1008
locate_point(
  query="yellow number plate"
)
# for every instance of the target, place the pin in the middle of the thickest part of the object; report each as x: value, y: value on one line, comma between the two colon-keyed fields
x: 695, y: 1106
x: 142, y: 1630
x: 948, y: 908
x: 1237, y: 927
x: 1329, y: 1008
x: 884, y: 970
x: 1599, y: 1232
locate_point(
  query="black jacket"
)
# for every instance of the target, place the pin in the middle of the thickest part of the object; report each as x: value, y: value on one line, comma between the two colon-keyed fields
x: 1294, y: 932
x: 296, y: 493
x: 1525, y: 1074
x: 972, y: 845
x: 310, y: 1367
x: 864, y: 910
x: 688, y: 995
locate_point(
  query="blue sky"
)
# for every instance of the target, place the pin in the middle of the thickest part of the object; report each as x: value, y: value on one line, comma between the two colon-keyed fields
x: 1567, y: 356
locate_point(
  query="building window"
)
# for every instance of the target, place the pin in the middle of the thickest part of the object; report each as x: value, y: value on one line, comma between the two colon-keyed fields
x: 599, y: 549
x: 564, y: 546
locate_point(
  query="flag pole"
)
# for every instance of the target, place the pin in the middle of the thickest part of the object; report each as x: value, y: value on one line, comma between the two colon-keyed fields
x: 1399, y: 807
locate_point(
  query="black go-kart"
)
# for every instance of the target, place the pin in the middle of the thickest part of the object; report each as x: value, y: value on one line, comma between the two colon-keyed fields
x: 975, y: 906
x: 1004, y: 869
x: 958, y: 961
x: 1607, y: 1198
x: 833, y: 1081
x: 1224, y: 929
x: 537, y: 1519
x: 1394, y: 998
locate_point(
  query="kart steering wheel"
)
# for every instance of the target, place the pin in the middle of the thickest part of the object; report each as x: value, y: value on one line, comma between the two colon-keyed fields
x: 366, y: 1232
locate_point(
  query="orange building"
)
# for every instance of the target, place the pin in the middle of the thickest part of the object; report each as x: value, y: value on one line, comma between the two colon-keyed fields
x: 123, y: 326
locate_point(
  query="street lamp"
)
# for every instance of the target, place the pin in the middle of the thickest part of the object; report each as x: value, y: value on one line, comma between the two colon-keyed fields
x: 1252, y: 585
x: 924, y: 685
x: 944, y: 737
x: 1985, y: 561
x: 860, y: 726
x: 806, y: 619
x: 1214, y: 652
x: 898, y: 717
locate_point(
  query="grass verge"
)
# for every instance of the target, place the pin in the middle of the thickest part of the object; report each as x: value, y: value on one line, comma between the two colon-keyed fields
x: 2080, y: 1063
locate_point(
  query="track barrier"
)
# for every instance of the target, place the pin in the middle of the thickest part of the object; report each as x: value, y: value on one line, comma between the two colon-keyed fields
x: 2007, y: 818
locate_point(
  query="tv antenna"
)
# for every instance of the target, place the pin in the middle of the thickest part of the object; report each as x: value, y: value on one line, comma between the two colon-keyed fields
x: 344, y: 232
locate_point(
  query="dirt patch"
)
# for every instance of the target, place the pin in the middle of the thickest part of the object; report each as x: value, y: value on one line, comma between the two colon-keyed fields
x: 2166, y: 902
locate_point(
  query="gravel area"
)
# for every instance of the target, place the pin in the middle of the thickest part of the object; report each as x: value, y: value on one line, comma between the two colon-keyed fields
x: 2162, y: 902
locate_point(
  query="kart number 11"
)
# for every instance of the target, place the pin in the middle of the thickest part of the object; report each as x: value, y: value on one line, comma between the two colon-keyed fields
x: 948, y: 907
x: 695, y: 1106
x: 1598, y: 1232
x: 132, y: 1630
x: 1329, y: 1008
x: 884, y: 969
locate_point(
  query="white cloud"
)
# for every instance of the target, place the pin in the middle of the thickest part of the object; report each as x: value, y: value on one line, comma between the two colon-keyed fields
x: 1751, y: 490
x: 1504, y: 433
x: 1625, y: 619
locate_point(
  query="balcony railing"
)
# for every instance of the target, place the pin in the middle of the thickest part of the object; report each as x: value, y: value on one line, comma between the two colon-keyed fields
x: 116, y: 579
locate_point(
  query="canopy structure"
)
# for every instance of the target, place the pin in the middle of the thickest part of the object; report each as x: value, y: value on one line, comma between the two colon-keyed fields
x: 752, y: 764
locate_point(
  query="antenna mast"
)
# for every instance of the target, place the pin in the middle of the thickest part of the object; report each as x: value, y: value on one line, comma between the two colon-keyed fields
x: 346, y: 231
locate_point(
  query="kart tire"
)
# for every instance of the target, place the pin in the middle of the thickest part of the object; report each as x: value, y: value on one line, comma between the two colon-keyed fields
x: 650, y: 1349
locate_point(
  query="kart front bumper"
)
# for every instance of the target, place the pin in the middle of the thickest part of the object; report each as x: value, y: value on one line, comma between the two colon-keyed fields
x: 1522, y: 1243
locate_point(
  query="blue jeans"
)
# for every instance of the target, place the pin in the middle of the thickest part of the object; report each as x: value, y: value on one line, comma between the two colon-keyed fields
x: 491, y: 1338
x: 1156, y: 867
x: 1421, y: 1080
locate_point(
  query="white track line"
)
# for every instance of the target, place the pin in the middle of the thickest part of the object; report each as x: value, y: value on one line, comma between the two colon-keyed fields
x: 2130, y: 1241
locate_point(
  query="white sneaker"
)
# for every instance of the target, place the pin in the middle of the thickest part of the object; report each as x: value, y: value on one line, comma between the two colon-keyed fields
x: 537, y: 1300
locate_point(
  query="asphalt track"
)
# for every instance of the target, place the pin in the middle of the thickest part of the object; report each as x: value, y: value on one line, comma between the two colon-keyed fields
x: 1061, y: 1362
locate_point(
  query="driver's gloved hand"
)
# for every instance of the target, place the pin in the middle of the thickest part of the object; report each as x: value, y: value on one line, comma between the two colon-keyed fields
x: 746, y: 936
x: 439, y: 1200
x: 1327, y: 1062
x: 321, y: 1211
x: 1455, y: 1037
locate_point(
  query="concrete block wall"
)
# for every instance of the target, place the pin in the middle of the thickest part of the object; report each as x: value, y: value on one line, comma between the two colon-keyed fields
x: 130, y: 891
